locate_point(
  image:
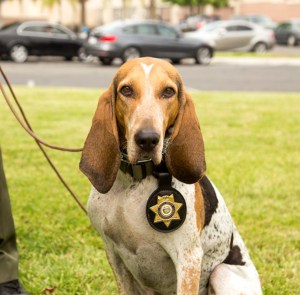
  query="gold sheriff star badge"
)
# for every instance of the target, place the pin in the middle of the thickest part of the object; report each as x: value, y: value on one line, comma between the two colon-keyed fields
x: 166, y: 210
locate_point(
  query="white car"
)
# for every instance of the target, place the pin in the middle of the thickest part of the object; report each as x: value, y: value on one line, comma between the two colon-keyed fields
x: 234, y: 35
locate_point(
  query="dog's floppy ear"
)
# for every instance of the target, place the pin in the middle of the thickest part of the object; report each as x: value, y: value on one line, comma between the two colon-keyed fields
x: 100, y: 158
x: 185, y: 153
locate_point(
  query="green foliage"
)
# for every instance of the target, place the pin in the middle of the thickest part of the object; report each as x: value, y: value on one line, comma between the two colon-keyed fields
x: 218, y: 3
x: 215, y: 3
x: 252, y: 152
x: 50, y: 3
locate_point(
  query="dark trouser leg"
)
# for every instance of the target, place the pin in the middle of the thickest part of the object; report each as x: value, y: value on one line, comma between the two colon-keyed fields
x: 8, y: 247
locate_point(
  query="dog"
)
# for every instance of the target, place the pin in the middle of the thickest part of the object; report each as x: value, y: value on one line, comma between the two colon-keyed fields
x: 144, y: 156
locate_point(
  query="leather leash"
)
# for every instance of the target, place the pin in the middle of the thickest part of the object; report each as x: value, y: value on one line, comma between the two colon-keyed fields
x: 40, y: 142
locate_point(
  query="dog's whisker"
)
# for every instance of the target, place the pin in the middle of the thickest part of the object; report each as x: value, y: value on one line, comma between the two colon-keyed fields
x: 166, y: 142
x: 123, y: 146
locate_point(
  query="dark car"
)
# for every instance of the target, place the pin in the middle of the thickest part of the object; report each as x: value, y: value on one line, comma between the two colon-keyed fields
x: 130, y: 39
x: 21, y: 39
x: 288, y: 32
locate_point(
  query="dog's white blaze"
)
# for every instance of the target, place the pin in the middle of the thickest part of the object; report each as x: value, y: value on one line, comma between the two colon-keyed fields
x: 148, y: 98
x: 147, y: 69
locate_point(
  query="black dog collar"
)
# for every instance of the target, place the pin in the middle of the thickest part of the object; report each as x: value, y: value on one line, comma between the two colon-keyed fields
x: 138, y: 171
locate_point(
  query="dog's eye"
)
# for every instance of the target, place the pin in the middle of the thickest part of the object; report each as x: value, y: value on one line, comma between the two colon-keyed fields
x: 126, y: 91
x: 168, y: 92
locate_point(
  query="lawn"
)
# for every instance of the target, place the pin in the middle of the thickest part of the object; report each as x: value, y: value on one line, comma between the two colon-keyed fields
x: 269, y: 54
x: 252, y: 152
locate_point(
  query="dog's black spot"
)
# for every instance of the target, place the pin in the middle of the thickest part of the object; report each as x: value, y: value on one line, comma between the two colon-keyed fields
x: 234, y: 256
x: 210, y: 199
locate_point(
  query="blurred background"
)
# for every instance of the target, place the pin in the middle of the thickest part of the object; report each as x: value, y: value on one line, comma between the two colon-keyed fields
x: 91, y: 13
x: 182, y: 28
x: 60, y: 55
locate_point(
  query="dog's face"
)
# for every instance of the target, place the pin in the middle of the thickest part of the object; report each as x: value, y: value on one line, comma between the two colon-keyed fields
x: 147, y: 104
x: 145, y: 108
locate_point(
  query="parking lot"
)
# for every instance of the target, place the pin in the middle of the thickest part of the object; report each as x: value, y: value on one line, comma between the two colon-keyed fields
x: 224, y: 74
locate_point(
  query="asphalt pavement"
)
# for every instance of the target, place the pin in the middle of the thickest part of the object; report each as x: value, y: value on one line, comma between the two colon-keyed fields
x: 223, y: 74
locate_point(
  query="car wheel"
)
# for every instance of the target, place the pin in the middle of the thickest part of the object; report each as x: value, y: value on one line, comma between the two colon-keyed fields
x: 68, y: 58
x: 130, y: 53
x: 106, y: 61
x: 291, y: 41
x: 175, y: 61
x: 203, y: 56
x: 83, y: 56
x: 260, y: 48
x: 18, y: 53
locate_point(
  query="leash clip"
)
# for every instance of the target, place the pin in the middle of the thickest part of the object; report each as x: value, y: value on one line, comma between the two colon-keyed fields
x: 161, y: 173
x: 166, y: 207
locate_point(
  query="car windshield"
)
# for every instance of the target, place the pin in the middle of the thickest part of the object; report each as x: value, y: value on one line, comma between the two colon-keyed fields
x: 284, y: 26
x: 9, y: 26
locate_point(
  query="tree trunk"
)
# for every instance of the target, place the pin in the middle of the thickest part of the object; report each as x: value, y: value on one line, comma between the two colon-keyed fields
x: 82, y: 13
x: 59, y: 7
x: 191, y: 7
x: 124, y: 10
x: 152, y: 9
x: 200, y: 9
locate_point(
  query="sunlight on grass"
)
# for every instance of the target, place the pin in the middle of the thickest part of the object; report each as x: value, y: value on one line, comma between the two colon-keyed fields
x: 252, y: 152
x: 269, y: 54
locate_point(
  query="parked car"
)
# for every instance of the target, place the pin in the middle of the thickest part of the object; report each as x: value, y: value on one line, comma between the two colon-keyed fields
x: 195, y: 22
x: 235, y: 35
x: 288, y: 32
x: 130, y: 39
x: 21, y: 39
x: 258, y: 19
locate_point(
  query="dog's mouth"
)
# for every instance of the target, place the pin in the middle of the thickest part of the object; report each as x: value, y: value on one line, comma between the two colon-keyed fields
x: 139, y: 155
x: 139, y: 149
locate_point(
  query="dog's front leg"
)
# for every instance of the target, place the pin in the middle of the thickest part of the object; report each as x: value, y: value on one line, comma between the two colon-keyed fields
x: 188, y: 261
x: 125, y: 281
x: 188, y: 272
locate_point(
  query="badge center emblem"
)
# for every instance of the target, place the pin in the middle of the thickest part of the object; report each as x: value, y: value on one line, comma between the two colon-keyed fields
x: 166, y: 210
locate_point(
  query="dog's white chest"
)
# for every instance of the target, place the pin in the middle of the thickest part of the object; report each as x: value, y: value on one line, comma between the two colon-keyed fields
x: 120, y: 217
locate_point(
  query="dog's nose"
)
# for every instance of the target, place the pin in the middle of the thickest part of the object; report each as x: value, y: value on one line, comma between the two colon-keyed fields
x: 146, y: 139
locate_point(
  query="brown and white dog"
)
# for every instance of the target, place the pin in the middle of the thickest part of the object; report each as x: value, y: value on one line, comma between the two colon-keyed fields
x: 147, y: 112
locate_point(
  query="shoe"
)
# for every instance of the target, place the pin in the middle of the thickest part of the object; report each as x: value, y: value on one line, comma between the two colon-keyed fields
x: 12, y: 288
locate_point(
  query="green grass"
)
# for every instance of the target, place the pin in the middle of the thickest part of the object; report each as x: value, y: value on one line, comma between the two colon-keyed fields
x: 252, y: 152
x: 269, y: 54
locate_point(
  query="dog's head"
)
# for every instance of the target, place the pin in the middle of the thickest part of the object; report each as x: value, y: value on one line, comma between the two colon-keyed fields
x: 145, y: 110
